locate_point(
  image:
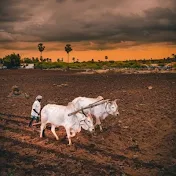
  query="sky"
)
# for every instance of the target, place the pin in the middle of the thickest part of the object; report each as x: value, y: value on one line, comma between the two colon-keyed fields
x: 119, y: 29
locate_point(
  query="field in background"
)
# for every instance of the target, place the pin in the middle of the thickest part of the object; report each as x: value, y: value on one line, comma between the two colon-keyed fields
x: 141, y: 141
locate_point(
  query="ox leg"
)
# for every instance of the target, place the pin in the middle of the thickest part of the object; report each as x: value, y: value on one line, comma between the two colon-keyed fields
x: 98, y: 123
x: 42, y: 128
x: 68, y: 136
x: 72, y: 134
x: 54, y: 132
x: 101, y: 129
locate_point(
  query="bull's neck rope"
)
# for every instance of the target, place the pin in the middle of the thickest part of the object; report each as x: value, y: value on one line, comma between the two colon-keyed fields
x: 85, y: 122
x: 106, y: 107
x: 106, y: 104
x: 80, y: 122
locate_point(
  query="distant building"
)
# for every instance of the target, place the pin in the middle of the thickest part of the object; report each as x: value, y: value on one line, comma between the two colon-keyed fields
x: 27, y: 66
x: 2, y: 66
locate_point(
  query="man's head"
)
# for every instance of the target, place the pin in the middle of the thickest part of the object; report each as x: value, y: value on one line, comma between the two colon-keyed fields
x: 39, y: 98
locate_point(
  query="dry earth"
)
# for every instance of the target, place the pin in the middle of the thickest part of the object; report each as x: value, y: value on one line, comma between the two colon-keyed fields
x: 140, y: 142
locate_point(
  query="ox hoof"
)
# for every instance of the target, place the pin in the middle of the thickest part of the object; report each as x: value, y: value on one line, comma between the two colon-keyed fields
x: 101, y: 130
x: 94, y: 134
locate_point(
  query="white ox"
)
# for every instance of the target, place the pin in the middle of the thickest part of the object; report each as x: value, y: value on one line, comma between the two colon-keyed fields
x: 57, y: 115
x: 101, y: 111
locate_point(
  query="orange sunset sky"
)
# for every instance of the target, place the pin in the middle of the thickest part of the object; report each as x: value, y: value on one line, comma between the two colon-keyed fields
x: 119, y: 29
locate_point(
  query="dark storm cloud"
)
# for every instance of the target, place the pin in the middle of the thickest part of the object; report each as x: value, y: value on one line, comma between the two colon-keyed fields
x: 116, y: 28
x: 100, y: 21
x: 60, y: 1
x: 13, y: 46
x: 15, y: 10
x: 79, y: 0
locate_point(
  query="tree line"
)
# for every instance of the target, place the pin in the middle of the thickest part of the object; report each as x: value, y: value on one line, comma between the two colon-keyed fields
x: 14, y: 61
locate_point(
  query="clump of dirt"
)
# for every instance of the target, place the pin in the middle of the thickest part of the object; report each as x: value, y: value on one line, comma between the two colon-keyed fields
x: 16, y: 92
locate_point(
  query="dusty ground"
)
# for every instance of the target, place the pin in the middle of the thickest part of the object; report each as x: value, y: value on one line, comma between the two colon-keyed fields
x: 140, y: 142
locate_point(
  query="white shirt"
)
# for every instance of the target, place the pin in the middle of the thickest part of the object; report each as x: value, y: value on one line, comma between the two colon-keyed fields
x: 37, y: 106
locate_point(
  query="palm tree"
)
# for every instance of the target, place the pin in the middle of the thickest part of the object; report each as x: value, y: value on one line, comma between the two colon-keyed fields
x: 41, y: 59
x: 41, y: 49
x: 73, y: 59
x: 106, y: 58
x: 68, y: 49
x: 174, y: 56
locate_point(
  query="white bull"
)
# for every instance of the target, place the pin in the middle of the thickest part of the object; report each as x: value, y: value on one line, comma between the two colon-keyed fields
x: 101, y: 111
x: 57, y: 115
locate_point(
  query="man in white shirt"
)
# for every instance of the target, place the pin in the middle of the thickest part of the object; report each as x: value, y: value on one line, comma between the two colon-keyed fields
x: 35, y: 112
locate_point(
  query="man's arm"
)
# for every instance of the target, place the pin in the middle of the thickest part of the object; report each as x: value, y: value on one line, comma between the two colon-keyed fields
x: 36, y: 111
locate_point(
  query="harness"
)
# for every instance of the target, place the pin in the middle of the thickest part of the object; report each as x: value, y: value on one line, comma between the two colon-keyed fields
x: 83, y: 112
x: 89, y: 106
x: 82, y: 121
x: 93, y: 105
x: 106, y: 107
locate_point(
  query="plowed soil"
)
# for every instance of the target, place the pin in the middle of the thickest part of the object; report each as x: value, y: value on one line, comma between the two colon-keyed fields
x: 139, y: 142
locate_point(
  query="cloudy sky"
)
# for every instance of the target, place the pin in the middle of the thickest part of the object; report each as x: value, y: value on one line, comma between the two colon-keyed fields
x: 120, y: 29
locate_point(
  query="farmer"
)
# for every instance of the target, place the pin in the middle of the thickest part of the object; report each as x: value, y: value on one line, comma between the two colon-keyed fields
x: 35, y: 112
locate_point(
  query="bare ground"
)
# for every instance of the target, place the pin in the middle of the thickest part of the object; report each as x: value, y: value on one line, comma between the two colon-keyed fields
x: 140, y: 142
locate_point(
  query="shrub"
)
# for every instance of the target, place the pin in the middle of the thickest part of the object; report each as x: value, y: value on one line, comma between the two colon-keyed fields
x: 12, y: 61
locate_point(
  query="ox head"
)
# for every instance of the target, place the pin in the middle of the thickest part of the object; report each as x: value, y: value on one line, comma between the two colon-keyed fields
x: 112, y: 108
x: 86, y: 121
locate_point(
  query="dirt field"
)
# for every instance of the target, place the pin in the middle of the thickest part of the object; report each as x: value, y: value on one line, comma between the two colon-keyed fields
x: 140, y: 142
